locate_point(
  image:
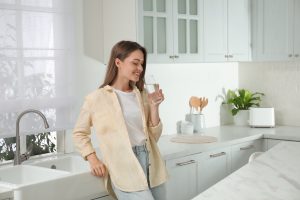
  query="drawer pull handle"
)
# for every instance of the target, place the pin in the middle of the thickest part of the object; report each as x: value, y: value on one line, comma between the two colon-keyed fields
x: 185, y: 163
x: 217, y: 154
x: 248, y: 147
x: 172, y: 57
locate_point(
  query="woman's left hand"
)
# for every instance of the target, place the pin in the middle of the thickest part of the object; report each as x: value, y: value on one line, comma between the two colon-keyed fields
x: 156, y: 98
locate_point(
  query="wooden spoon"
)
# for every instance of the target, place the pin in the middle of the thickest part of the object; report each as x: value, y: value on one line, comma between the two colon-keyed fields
x: 194, y: 103
x: 200, y: 103
x: 205, y: 102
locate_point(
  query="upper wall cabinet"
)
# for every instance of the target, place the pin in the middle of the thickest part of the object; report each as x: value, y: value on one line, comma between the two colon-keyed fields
x: 106, y: 22
x: 276, y: 30
x: 226, y: 30
x: 170, y: 30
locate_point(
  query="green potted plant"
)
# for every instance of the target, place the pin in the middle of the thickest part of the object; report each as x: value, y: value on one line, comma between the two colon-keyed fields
x: 241, y: 100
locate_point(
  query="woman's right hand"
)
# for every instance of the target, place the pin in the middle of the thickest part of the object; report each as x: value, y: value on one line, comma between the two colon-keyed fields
x: 97, y: 166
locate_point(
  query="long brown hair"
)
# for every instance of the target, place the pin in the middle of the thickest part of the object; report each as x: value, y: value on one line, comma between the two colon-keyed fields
x: 122, y: 50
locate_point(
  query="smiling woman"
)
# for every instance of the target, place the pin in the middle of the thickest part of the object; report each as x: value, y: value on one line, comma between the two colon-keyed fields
x: 126, y: 121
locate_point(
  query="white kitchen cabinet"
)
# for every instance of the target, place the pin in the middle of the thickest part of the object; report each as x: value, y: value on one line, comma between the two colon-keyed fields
x: 240, y: 153
x: 213, y: 166
x: 276, y: 30
x: 296, y: 42
x: 104, y: 198
x: 226, y: 30
x: 171, y: 31
x: 107, y: 22
x: 270, y: 143
x: 182, y: 182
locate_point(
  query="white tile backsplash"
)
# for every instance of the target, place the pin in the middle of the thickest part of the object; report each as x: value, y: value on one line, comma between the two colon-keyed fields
x: 280, y: 81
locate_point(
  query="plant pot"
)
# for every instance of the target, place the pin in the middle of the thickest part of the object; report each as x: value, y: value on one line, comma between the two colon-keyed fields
x: 241, y: 118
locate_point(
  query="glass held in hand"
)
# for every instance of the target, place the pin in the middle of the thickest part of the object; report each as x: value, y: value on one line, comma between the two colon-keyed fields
x: 152, y: 88
x: 150, y: 84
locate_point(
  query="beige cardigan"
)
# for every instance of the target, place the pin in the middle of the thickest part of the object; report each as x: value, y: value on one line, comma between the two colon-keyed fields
x: 102, y: 110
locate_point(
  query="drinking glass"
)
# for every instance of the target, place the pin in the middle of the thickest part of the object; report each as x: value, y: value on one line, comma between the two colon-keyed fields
x: 151, y: 84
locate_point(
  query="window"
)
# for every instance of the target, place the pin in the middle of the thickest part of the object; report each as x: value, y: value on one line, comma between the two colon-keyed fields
x: 36, y: 60
x: 42, y: 143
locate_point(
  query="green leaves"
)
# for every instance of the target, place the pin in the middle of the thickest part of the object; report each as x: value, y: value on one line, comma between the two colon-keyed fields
x: 243, y: 99
x: 41, y: 143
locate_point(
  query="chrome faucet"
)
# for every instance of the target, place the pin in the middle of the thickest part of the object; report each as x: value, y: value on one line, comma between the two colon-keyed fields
x: 18, y: 157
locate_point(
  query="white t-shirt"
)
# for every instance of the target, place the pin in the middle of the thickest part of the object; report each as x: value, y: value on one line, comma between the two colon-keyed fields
x: 133, y: 117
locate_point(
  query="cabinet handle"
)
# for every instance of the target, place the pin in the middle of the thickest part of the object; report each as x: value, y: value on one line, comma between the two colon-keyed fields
x: 185, y: 163
x: 290, y: 55
x: 172, y: 57
x: 226, y: 56
x: 248, y: 147
x: 217, y: 154
x: 230, y: 56
x: 176, y: 56
x: 296, y: 55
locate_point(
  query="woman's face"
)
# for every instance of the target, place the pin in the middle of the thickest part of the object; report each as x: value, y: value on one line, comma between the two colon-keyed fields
x: 131, y: 67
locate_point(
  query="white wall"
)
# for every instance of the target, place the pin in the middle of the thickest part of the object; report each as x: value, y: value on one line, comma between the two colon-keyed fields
x: 181, y: 81
x: 280, y: 81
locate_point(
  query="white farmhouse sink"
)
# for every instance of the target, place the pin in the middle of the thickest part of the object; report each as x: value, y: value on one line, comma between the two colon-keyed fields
x: 21, y: 175
x: 71, y: 180
x: 73, y: 164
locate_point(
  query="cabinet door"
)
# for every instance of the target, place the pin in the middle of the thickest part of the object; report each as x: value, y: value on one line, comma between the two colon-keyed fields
x: 119, y: 23
x: 188, y: 23
x: 240, y: 153
x: 297, y: 29
x: 182, y: 182
x: 104, y: 198
x: 238, y: 30
x: 271, y: 143
x: 212, y: 167
x: 215, y: 30
x: 155, y: 29
x: 273, y: 25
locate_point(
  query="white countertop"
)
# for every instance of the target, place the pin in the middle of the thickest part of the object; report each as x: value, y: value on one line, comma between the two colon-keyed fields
x: 273, y: 175
x: 226, y: 135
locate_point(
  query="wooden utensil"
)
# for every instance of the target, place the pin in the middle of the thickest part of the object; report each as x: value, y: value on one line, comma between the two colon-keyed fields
x: 194, y: 103
x: 204, y: 103
x: 200, y: 104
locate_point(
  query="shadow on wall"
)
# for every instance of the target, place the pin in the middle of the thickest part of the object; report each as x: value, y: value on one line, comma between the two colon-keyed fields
x: 92, y: 33
x: 225, y: 114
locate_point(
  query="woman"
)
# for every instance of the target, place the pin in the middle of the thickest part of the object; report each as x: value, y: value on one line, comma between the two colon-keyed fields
x: 127, y: 124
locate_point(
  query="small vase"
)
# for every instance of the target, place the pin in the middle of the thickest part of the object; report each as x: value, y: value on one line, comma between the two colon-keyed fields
x: 241, y: 118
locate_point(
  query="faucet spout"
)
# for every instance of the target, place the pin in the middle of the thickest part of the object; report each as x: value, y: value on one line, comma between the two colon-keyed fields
x: 17, y: 160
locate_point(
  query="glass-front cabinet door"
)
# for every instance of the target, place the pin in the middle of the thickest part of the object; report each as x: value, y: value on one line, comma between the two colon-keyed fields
x: 155, y: 29
x: 188, y: 22
x: 169, y: 29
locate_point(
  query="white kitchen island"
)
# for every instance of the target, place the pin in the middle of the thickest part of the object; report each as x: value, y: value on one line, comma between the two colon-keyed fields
x: 272, y: 176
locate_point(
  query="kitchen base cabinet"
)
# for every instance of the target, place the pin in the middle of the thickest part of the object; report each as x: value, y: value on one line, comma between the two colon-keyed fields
x: 103, y: 198
x: 213, y: 166
x: 270, y: 143
x: 240, y: 153
x: 182, y: 182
